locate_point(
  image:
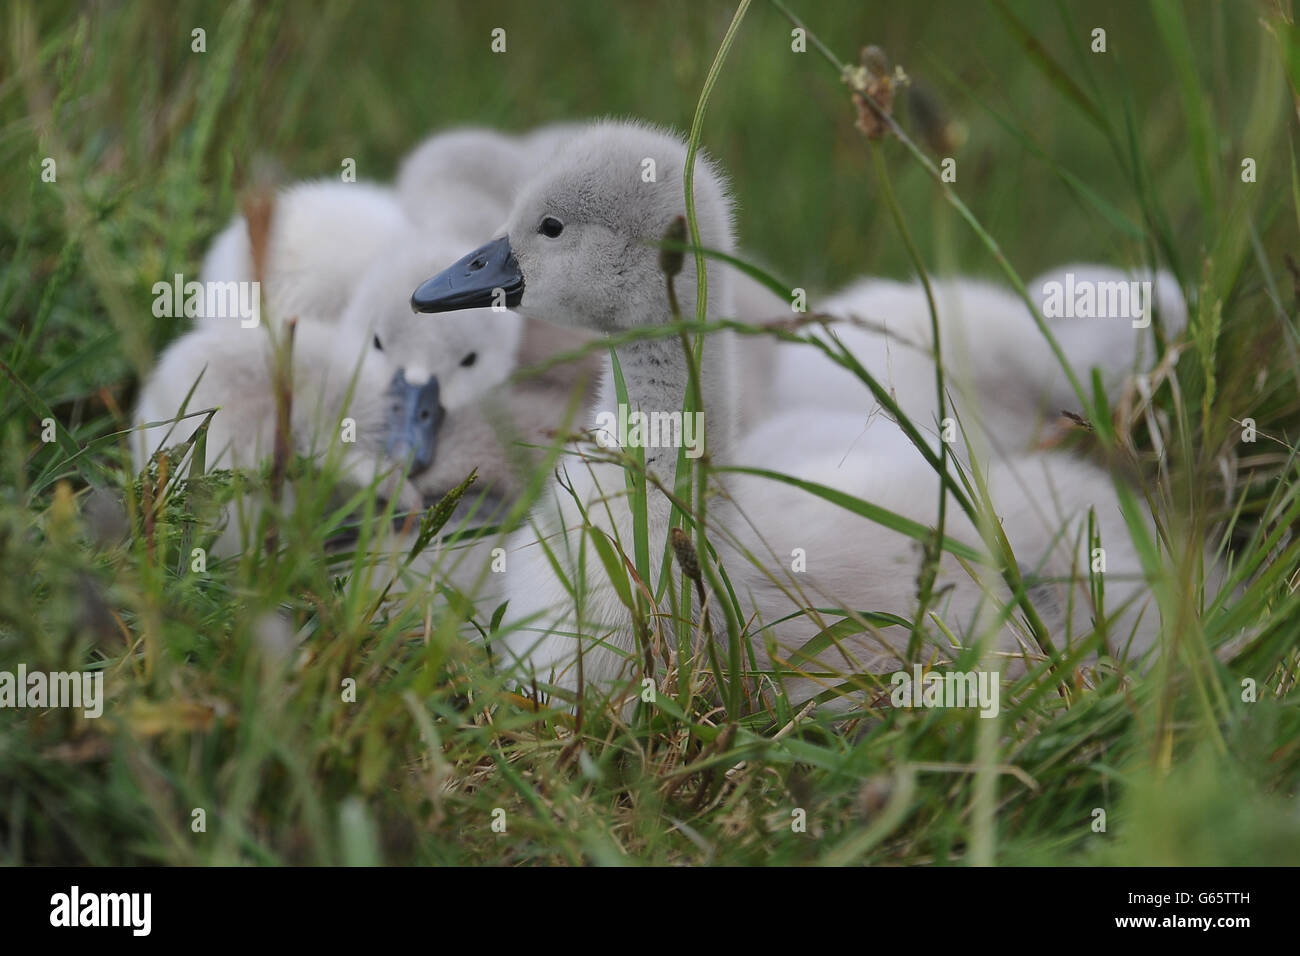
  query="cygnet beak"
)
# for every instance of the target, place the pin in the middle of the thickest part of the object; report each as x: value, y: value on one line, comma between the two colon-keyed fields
x: 488, y: 276
x: 414, y: 417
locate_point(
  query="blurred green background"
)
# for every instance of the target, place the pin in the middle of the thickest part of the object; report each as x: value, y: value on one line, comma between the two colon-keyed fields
x: 161, y: 139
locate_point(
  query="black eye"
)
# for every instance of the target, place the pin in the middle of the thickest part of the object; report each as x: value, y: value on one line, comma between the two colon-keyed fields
x: 469, y: 360
x: 377, y: 344
x: 551, y: 227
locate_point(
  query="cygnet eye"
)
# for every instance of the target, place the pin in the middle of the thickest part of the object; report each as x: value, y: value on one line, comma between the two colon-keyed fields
x: 469, y: 360
x: 550, y: 227
x: 378, y: 344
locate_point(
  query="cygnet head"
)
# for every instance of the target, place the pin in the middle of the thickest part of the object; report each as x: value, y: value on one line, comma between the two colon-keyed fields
x: 582, y: 244
x: 335, y: 375
x: 462, y: 359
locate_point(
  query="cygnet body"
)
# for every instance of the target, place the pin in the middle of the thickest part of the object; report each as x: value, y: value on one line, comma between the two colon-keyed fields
x: 580, y: 248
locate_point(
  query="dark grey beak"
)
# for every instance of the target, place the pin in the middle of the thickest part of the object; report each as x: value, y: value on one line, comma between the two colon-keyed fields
x: 487, y: 276
x: 414, y: 417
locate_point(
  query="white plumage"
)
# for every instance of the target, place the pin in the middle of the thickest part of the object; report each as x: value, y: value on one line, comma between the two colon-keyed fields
x: 470, y: 355
x: 342, y: 258
x: 323, y: 236
x: 462, y: 181
x: 340, y: 409
x: 1001, y: 373
x: 601, y: 273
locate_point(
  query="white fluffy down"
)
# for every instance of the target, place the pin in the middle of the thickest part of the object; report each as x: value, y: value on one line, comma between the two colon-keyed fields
x: 470, y: 353
x: 784, y: 409
x: 233, y: 372
x: 323, y: 236
x: 602, y: 274
x: 343, y: 259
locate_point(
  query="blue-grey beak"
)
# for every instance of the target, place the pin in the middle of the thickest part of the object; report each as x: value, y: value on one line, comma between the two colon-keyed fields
x: 487, y: 276
x: 414, y: 416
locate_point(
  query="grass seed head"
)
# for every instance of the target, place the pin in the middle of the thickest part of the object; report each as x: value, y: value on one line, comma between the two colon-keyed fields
x: 671, y: 256
x: 686, y: 555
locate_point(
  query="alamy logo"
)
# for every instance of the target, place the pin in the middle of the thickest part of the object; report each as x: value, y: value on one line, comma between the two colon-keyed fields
x: 980, y: 689
x: 84, y: 689
x: 209, y: 300
x: 103, y: 909
x: 1086, y: 299
x: 628, y: 429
